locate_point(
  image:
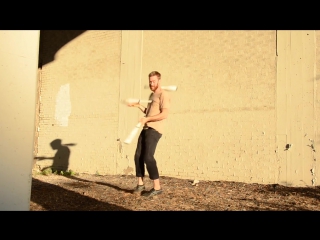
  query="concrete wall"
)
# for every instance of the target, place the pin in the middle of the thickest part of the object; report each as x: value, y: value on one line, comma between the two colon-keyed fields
x: 297, y: 107
x: 242, y: 97
x: 222, y: 123
x: 18, y: 85
x: 79, y: 99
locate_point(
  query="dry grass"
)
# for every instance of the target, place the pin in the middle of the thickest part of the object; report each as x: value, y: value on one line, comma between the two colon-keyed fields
x: 87, y: 192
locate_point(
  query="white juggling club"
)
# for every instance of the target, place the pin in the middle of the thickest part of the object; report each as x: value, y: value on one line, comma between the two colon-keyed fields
x: 132, y: 134
x: 170, y: 88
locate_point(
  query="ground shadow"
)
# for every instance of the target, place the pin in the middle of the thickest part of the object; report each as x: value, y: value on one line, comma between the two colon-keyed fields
x: 102, y: 183
x: 310, y: 192
x: 61, y: 158
x: 55, y: 198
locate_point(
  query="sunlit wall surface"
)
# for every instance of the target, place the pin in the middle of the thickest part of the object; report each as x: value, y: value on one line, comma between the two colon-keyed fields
x: 18, y: 79
x: 246, y: 108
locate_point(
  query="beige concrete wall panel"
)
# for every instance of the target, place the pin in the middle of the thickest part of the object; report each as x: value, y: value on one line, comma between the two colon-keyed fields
x: 301, y: 107
x: 308, y: 74
x: 79, y: 99
x: 316, y: 167
x: 222, y: 120
x: 130, y: 87
x: 296, y: 106
x: 283, y: 70
x: 18, y: 90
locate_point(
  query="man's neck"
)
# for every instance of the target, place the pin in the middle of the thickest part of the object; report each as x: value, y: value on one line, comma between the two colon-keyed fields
x: 158, y: 90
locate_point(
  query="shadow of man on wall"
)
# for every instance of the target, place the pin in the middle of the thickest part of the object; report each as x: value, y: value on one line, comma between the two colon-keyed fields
x: 61, y: 158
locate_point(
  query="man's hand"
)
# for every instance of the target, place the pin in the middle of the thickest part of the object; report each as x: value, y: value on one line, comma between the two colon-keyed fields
x: 42, y: 158
x: 138, y: 105
x: 133, y: 104
x: 143, y: 120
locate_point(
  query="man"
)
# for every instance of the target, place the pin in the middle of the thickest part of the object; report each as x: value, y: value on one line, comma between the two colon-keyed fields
x: 153, y: 124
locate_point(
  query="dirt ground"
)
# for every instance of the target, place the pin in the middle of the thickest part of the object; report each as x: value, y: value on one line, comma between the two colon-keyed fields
x: 85, y: 192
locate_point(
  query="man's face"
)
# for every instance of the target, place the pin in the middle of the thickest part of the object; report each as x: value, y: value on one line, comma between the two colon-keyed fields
x: 153, y: 83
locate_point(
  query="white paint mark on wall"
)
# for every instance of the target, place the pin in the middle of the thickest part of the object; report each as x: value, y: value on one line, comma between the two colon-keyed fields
x: 63, y: 106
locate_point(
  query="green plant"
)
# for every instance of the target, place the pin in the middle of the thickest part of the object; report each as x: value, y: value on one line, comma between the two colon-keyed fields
x: 47, y: 171
x: 71, y: 173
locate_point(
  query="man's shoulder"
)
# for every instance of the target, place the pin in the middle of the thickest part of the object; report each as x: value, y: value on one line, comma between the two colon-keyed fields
x: 165, y: 94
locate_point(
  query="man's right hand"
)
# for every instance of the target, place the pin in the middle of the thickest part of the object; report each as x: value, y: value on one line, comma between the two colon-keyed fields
x: 133, y: 104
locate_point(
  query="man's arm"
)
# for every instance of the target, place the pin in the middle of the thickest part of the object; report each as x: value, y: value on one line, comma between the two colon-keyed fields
x: 164, y: 114
x: 43, y: 158
x: 138, y: 105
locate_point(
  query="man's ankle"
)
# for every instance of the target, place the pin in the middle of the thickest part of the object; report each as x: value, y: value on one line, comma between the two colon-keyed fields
x: 156, y: 184
x: 140, y: 181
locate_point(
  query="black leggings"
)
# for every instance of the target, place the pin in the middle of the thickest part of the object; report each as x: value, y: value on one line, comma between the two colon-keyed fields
x: 146, y: 147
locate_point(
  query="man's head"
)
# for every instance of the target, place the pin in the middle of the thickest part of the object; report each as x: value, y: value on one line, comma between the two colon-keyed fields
x: 154, y: 80
x: 55, y: 144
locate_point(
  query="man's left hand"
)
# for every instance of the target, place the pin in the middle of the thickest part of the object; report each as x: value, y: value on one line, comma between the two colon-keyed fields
x: 143, y: 120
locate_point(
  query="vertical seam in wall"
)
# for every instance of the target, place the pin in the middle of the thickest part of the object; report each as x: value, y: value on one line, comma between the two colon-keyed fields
x: 119, y: 96
x: 315, y: 83
x: 141, y: 64
x: 39, y: 102
x: 277, y: 177
x: 276, y: 42
x: 37, y: 116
